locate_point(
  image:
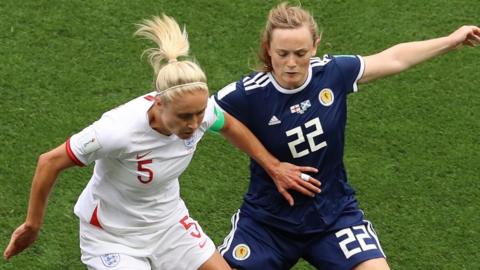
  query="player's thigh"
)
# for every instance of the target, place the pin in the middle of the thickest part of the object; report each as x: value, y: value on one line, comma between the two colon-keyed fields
x: 215, y: 262
x: 115, y: 261
x: 373, y: 264
x: 345, y: 249
x: 184, y: 247
x: 251, y: 245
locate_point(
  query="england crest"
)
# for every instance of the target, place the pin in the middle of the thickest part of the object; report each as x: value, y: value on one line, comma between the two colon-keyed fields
x: 111, y: 259
x: 192, y: 141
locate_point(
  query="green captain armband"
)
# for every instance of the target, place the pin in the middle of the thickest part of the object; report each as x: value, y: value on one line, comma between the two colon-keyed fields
x: 219, y: 123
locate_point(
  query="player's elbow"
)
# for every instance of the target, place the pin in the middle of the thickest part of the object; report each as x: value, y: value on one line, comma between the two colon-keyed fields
x: 50, y: 160
x: 46, y: 159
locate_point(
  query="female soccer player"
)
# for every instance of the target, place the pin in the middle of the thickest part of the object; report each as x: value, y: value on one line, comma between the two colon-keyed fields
x: 131, y: 214
x: 300, y: 100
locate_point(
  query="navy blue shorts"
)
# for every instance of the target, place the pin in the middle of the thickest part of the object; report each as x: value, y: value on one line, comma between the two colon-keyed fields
x: 252, y: 245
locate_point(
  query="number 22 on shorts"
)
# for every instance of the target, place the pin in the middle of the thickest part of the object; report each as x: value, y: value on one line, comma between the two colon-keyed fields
x: 354, y: 234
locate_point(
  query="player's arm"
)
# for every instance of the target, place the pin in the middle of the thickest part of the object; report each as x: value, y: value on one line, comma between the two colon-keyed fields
x: 49, y: 165
x: 406, y: 55
x: 285, y: 175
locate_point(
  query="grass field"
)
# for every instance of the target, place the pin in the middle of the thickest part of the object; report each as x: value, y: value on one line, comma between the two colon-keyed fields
x: 412, y: 145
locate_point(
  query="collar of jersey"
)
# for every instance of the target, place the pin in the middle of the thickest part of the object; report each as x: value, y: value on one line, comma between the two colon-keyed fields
x: 291, y: 91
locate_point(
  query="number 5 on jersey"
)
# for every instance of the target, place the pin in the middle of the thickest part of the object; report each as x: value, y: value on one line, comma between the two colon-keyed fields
x: 310, y: 137
x: 143, y: 169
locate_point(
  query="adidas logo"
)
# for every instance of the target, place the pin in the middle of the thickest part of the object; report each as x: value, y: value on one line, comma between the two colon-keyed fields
x: 274, y: 121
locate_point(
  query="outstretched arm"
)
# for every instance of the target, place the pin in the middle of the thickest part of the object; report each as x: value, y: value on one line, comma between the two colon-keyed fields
x: 48, y: 167
x: 406, y: 55
x: 285, y: 175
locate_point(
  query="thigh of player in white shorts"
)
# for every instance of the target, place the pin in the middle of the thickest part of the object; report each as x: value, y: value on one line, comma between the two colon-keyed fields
x: 115, y: 261
x: 345, y: 248
x: 254, y: 246
x: 184, y: 247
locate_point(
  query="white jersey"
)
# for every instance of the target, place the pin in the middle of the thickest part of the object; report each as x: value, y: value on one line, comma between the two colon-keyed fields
x: 134, y: 187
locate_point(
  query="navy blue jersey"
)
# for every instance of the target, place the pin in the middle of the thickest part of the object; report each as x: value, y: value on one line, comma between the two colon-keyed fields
x: 303, y: 126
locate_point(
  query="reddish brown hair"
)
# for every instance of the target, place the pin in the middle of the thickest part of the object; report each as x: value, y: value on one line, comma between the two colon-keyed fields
x: 284, y: 16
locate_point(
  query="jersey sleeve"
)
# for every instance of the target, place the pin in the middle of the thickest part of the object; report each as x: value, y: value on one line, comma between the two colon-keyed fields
x: 232, y: 99
x: 351, y: 68
x: 100, y: 140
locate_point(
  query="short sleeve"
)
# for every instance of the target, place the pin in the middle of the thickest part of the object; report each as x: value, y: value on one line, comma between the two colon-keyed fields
x: 232, y: 99
x: 99, y: 140
x: 351, y: 68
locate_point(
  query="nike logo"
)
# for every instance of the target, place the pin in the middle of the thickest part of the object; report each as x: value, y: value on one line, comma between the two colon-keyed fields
x: 201, y: 245
x: 142, y: 156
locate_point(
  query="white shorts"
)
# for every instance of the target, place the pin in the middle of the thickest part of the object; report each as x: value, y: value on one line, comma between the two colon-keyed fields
x: 183, y: 245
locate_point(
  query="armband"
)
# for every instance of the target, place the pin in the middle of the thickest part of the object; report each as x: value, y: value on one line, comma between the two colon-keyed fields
x: 220, y: 122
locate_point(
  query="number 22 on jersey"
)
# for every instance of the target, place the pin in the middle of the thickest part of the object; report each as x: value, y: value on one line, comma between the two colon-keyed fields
x: 300, y: 138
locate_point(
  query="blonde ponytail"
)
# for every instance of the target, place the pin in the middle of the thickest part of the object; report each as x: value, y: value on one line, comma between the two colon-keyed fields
x: 172, y: 76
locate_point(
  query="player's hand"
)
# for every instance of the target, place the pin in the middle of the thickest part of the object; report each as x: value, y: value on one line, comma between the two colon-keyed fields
x: 466, y: 35
x: 22, y: 238
x: 287, y: 176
